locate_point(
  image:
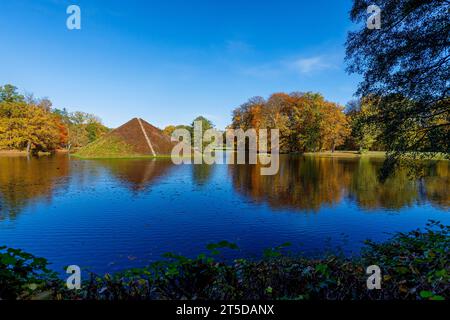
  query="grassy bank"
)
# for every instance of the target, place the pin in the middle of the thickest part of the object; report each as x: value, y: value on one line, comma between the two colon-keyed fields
x: 123, y: 157
x: 93, y: 153
x: 21, y: 153
x: 348, y: 154
x: 414, y: 266
x: 108, y: 147
x: 111, y: 147
x: 13, y: 153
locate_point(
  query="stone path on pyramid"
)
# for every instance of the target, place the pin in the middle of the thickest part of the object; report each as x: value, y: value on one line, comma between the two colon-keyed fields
x: 146, y: 137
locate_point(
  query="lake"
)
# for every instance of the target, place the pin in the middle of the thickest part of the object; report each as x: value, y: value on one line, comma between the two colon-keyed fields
x: 107, y: 215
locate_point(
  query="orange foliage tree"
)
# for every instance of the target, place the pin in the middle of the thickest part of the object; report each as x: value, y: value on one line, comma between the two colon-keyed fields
x: 307, y: 122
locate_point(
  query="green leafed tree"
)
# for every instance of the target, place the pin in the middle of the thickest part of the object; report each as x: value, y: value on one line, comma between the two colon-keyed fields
x: 406, y: 70
x: 366, y: 134
x: 84, y: 128
x: 8, y: 93
x: 205, y: 124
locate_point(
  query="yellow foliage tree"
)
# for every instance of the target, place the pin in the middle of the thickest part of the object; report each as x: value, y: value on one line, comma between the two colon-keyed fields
x: 27, y: 127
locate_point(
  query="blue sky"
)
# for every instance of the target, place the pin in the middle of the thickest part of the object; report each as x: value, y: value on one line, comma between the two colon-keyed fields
x: 170, y: 61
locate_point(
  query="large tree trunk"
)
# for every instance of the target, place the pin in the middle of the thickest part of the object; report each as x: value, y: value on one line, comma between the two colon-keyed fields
x: 28, y: 147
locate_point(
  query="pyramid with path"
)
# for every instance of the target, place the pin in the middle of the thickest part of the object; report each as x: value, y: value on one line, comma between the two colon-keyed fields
x: 137, y: 137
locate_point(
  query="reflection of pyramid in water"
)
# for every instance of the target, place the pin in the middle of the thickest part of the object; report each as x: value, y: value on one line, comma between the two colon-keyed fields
x: 135, y: 138
x: 137, y: 174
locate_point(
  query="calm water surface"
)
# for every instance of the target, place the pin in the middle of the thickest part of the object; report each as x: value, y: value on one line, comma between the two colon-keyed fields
x: 108, y: 215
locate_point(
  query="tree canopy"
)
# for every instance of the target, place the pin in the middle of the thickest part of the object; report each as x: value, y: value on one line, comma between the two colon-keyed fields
x: 31, y: 124
x: 8, y: 93
x: 406, y: 70
x: 307, y: 122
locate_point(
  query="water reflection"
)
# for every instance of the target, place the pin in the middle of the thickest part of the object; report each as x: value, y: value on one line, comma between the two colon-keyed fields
x: 98, y: 213
x: 25, y: 179
x: 302, y: 184
x: 438, y: 185
x: 137, y: 175
x: 310, y: 183
x: 202, y: 173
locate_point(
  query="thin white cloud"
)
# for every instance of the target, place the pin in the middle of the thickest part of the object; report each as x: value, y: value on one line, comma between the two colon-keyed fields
x: 304, y: 66
x: 310, y: 65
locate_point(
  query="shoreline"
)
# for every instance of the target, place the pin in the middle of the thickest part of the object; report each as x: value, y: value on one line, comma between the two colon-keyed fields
x: 23, y: 153
x: 336, y: 154
x: 347, y: 154
x: 325, y: 154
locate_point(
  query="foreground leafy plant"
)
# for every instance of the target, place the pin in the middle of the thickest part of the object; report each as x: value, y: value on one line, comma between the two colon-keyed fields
x: 22, y: 274
x: 414, y: 266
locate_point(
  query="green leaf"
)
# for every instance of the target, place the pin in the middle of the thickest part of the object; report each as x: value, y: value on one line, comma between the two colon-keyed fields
x: 271, y: 253
x: 426, y: 294
x: 402, y: 270
x: 8, y: 260
x: 322, y: 268
x: 32, y: 286
x: 222, y: 244
x: 441, y: 273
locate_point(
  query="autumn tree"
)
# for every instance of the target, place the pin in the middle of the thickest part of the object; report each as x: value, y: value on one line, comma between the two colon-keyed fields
x: 306, y: 121
x: 168, y: 130
x: 275, y: 115
x: 248, y: 115
x: 46, y: 105
x: 334, y: 126
x: 27, y: 127
x: 28, y: 123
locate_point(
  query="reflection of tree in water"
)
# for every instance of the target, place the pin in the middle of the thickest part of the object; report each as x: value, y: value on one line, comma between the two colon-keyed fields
x: 201, y: 173
x: 308, y: 183
x: 395, y: 193
x: 137, y: 174
x: 399, y: 190
x: 24, y: 180
x: 437, y: 184
x: 305, y: 183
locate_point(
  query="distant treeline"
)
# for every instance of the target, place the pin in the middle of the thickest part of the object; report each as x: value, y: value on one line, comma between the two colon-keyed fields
x: 31, y: 124
x: 309, y: 123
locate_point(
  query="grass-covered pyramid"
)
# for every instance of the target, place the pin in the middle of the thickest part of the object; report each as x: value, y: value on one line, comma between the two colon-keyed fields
x: 136, y: 138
